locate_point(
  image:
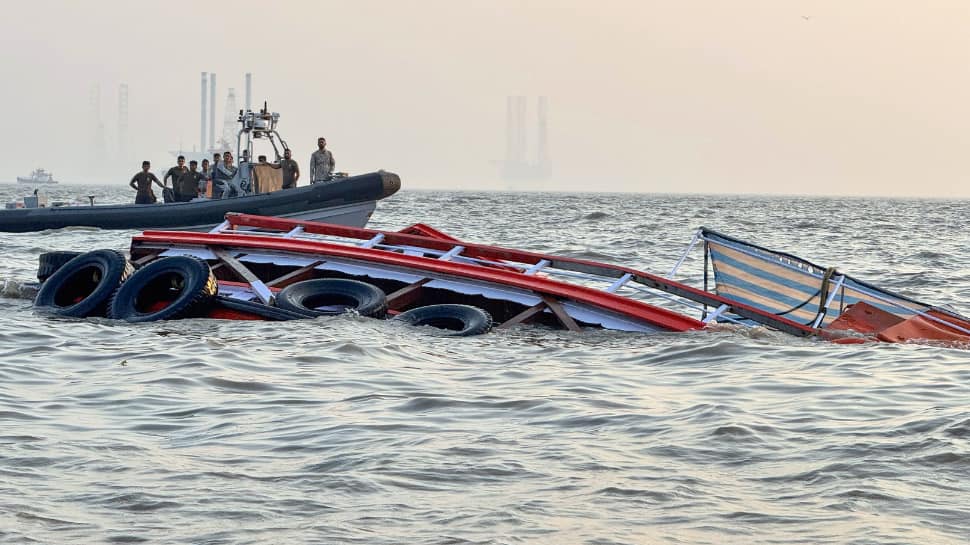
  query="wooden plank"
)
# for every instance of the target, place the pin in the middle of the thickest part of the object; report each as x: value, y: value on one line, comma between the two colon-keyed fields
x: 244, y: 273
x: 406, y: 295
x: 221, y: 265
x: 145, y: 259
x: 294, y: 276
x: 557, y: 309
x: 522, y: 316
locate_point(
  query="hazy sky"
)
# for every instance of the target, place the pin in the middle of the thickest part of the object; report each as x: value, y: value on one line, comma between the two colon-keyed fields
x: 835, y: 97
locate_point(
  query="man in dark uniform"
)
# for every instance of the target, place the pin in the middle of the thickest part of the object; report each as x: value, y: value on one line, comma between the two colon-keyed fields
x: 142, y: 183
x: 175, y: 172
x: 291, y: 170
x: 187, y: 185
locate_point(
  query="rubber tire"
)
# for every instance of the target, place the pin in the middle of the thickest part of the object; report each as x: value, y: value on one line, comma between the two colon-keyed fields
x: 259, y: 309
x: 50, y: 262
x: 458, y: 320
x: 307, y: 296
x: 149, y: 283
x: 83, y: 286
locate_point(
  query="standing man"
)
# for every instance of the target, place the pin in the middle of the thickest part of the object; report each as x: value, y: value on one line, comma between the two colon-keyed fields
x: 291, y: 169
x: 321, y: 163
x: 175, y: 172
x: 142, y: 183
x: 241, y: 183
x: 214, y: 168
x: 223, y: 172
x: 187, y: 185
x: 206, y: 177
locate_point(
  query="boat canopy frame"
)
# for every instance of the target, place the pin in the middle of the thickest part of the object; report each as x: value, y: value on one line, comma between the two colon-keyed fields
x: 832, y: 284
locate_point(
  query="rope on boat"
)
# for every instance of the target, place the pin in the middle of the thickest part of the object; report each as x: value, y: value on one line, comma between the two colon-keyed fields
x: 823, y: 297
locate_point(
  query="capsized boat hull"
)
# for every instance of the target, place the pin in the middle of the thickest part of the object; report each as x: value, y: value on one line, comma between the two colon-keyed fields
x: 411, y: 269
x: 420, y: 265
x: 349, y: 201
x: 419, y: 268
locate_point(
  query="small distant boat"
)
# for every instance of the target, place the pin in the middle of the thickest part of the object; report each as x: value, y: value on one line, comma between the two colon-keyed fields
x: 39, y: 176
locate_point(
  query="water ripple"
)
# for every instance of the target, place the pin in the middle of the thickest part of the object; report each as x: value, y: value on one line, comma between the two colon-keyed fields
x: 352, y: 430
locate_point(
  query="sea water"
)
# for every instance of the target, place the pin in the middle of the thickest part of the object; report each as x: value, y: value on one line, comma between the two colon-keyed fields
x: 351, y: 430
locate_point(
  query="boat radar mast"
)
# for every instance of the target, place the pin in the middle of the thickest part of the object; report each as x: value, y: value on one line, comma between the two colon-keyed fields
x: 258, y: 125
x: 253, y: 126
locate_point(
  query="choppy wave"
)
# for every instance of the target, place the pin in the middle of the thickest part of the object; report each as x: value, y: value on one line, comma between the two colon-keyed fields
x: 351, y: 430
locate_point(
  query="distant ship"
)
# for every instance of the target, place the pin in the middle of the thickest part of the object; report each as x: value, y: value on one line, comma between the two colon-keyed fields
x: 39, y: 176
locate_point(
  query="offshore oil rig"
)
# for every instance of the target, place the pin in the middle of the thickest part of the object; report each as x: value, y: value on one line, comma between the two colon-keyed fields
x: 209, y: 143
x: 518, y: 165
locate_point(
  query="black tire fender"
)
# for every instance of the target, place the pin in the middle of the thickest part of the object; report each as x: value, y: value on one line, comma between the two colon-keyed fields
x: 331, y: 296
x: 50, y: 262
x: 83, y: 286
x: 458, y: 320
x: 185, y: 283
x: 259, y: 309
